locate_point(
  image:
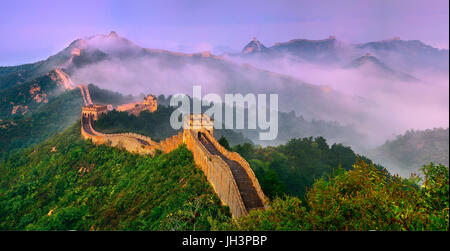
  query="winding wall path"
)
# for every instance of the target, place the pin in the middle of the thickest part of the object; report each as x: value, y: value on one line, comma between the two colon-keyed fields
x: 228, y: 173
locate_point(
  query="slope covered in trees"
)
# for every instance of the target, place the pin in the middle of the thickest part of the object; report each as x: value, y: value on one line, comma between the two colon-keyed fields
x: 68, y: 183
x: 408, y: 152
x: 47, y: 120
x: 363, y: 198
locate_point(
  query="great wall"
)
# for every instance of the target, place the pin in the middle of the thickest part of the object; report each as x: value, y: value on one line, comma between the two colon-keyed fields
x: 228, y: 173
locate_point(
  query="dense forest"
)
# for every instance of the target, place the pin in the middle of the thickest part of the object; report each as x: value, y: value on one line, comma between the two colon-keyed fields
x: 294, y: 166
x: 363, y: 198
x: 68, y: 183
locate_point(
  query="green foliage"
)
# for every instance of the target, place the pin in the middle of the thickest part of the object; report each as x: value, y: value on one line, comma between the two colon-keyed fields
x: 67, y: 183
x: 296, y: 165
x: 155, y: 125
x: 363, y: 198
x: 21, y: 95
x: 224, y: 142
x: 411, y: 150
x: 59, y: 113
x: 284, y: 214
x: 272, y: 185
x: 102, y: 96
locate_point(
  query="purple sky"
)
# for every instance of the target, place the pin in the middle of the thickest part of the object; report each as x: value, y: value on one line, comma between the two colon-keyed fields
x: 32, y: 30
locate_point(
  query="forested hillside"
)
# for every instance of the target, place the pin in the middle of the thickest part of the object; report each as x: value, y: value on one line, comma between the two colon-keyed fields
x: 67, y: 183
x: 363, y: 198
x: 410, y: 151
x: 47, y: 120
x: 34, y: 122
x: 293, y: 167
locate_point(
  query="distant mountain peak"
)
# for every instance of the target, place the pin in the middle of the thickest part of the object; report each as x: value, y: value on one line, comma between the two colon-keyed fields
x: 113, y: 34
x: 254, y: 46
x: 367, y: 59
x: 378, y: 67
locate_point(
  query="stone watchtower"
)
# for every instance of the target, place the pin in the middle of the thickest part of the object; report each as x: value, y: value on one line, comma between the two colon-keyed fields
x: 151, y: 103
x: 93, y: 111
x: 198, y: 122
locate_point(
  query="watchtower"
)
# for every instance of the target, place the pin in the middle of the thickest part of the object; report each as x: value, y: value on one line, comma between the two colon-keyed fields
x: 93, y: 111
x: 151, y: 103
x: 198, y: 122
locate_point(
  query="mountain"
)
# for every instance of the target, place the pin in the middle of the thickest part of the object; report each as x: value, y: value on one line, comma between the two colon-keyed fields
x: 410, y: 151
x: 402, y: 55
x: 35, y: 122
x: 319, y: 51
x: 371, y: 65
x: 253, y: 47
x: 113, y: 62
x: 40, y: 124
x: 408, y: 55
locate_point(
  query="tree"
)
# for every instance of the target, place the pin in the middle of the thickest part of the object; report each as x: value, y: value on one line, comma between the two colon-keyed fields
x: 224, y: 142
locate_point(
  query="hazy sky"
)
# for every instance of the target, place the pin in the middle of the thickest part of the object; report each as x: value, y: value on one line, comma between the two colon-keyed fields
x: 32, y: 30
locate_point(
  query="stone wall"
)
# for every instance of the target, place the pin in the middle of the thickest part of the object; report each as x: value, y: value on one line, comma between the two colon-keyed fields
x: 218, y: 174
x: 238, y: 158
x: 171, y: 143
x: 129, y: 141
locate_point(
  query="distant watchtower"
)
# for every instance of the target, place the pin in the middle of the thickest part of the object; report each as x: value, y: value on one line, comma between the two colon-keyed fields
x: 151, y: 103
x: 198, y: 122
x: 93, y: 111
